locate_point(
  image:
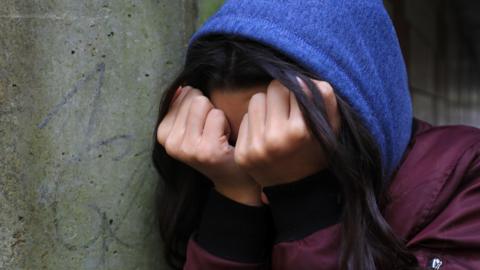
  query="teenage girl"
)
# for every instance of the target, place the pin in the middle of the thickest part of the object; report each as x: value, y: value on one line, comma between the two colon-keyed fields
x: 287, y: 141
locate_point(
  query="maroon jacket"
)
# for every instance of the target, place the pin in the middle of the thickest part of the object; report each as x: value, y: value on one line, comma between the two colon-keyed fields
x: 435, y: 207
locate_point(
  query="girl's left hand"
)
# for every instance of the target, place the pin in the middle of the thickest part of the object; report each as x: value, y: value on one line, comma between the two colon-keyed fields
x: 274, y: 144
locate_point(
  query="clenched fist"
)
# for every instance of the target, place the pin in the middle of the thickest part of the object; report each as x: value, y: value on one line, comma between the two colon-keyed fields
x: 196, y: 133
x: 274, y: 144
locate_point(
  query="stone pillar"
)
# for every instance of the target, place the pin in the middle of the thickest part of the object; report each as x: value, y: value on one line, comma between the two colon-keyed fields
x: 80, y: 83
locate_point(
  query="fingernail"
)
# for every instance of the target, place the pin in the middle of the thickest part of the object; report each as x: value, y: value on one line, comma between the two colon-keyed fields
x: 304, y: 86
x: 300, y: 81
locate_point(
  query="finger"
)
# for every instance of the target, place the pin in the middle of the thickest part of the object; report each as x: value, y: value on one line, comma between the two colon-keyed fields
x: 296, y: 120
x: 183, y: 98
x: 216, y: 125
x: 330, y: 102
x: 175, y: 95
x: 256, y: 116
x: 278, y: 105
x: 326, y: 91
x: 179, y: 126
x: 304, y: 87
x: 295, y: 112
x: 175, y: 104
x: 167, y: 122
x: 242, y: 137
x: 196, y: 117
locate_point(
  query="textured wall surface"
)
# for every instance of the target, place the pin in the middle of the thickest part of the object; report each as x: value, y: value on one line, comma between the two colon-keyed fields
x: 79, y: 87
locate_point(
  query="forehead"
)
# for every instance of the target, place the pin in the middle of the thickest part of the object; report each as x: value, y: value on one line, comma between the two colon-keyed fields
x: 235, y: 97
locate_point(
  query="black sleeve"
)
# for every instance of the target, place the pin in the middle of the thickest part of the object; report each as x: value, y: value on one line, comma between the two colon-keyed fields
x: 305, y: 206
x: 235, y: 231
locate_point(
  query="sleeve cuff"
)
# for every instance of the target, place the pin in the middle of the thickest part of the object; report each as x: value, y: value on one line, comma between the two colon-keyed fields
x: 234, y: 231
x: 305, y: 206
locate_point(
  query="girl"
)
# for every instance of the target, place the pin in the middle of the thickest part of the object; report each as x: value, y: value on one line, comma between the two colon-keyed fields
x: 288, y: 142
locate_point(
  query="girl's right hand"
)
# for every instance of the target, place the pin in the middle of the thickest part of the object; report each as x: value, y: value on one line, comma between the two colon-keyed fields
x: 196, y: 133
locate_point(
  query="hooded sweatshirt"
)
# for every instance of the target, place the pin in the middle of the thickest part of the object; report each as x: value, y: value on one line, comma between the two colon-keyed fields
x: 435, y: 187
x: 351, y: 44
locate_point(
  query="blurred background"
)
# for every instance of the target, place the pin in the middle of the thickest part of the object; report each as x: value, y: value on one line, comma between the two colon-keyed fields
x: 80, y: 83
x: 441, y: 45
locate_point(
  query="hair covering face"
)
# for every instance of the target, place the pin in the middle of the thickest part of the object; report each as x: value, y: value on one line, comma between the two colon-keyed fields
x: 352, y: 44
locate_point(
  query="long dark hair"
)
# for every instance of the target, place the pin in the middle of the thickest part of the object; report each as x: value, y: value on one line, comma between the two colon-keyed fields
x: 234, y: 62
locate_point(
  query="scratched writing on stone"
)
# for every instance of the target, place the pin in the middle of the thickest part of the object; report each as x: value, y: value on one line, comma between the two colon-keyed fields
x: 102, y: 230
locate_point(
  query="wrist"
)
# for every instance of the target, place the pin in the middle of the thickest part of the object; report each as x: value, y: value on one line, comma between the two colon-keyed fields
x: 305, y: 206
x: 246, y: 195
x: 233, y: 230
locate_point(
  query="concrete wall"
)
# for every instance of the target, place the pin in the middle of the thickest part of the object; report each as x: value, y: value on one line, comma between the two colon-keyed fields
x: 79, y: 87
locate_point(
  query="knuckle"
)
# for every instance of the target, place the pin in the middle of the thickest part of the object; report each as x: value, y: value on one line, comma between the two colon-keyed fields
x: 274, y: 84
x: 186, y: 152
x: 161, y: 135
x: 257, y: 96
x: 330, y: 95
x: 205, y: 154
x: 201, y: 100
x: 171, y: 147
x: 192, y: 92
x: 241, y: 158
x: 299, y: 133
x: 189, y: 88
x: 258, y: 152
x: 242, y: 161
x: 205, y: 157
x: 216, y: 113
x: 274, y: 141
x: 196, y: 92
x: 326, y: 88
x: 161, y: 139
x: 200, y: 104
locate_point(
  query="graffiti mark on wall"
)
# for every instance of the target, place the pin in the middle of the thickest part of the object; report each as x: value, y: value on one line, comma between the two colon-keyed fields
x: 82, y: 224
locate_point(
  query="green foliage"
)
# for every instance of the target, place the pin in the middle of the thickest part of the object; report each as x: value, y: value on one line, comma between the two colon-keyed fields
x: 206, y: 8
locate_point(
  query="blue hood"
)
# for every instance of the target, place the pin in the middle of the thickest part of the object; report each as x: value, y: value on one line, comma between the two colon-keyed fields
x: 349, y: 43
